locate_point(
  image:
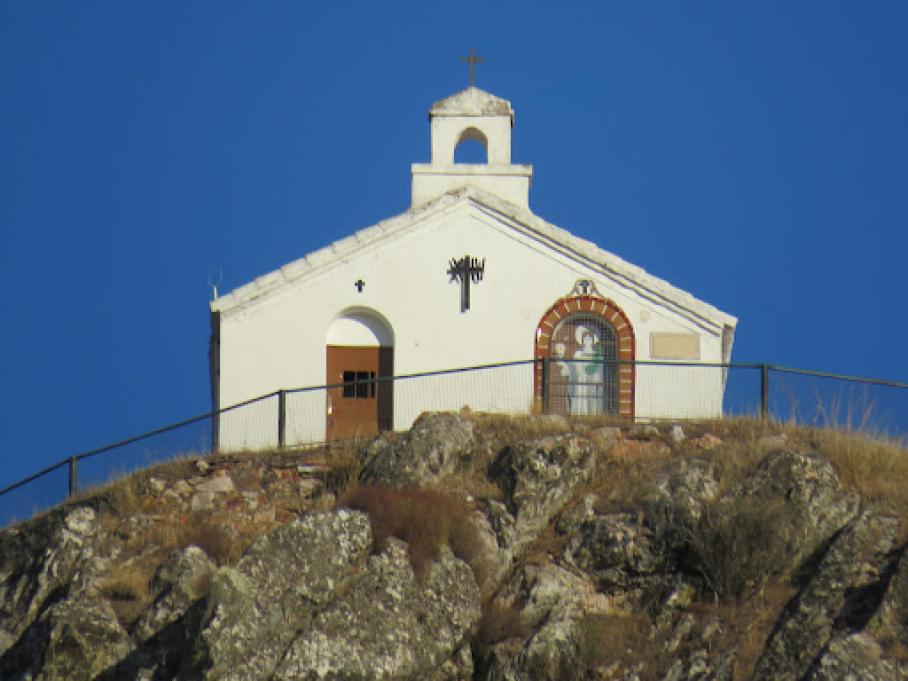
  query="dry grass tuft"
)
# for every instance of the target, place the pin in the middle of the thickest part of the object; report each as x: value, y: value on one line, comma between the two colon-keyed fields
x: 735, y: 545
x: 127, y: 589
x: 622, y: 640
x: 743, y: 429
x: 123, y: 494
x: 624, y: 481
x: 501, y: 621
x: 876, y: 468
x: 425, y: 519
x: 496, y: 431
x: 746, y: 626
x: 224, y: 544
x: 548, y: 546
x: 345, y: 463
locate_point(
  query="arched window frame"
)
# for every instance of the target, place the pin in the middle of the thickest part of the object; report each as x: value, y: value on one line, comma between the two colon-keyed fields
x: 611, y: 313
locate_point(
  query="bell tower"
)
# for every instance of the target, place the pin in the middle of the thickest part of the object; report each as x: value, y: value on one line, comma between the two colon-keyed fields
x: 472, y: 114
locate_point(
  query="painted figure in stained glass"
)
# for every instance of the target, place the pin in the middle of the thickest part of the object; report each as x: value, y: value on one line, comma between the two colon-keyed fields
x: 582, y: 382
x: 588, y: 373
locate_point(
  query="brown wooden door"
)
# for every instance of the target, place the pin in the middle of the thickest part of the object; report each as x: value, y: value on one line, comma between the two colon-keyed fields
x: 360, y: 405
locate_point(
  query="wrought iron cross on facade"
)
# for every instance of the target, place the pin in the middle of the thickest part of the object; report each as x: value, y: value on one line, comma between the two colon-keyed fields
x: 465, y: 270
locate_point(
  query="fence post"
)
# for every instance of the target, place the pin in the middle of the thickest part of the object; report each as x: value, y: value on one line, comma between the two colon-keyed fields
x: 546, y: 402
x: 73, y: 476
x: 764, y: 392
x: 281, y: 418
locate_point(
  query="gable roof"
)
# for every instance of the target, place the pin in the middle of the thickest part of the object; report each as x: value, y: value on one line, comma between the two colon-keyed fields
x: 520, y: 219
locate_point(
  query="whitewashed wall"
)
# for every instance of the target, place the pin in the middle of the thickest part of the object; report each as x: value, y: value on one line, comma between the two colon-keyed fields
x: 279, y: 341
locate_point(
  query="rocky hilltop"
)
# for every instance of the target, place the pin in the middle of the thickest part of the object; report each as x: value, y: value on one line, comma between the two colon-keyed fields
x: 478, y: 547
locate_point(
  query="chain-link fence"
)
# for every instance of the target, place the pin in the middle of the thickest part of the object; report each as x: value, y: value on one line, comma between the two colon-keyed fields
x: 641, y: 390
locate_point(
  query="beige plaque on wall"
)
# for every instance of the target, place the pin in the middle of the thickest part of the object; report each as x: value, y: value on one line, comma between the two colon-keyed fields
x: 674, y: 346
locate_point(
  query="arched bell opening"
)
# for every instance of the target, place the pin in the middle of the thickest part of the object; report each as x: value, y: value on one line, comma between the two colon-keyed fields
x: 472, y: 147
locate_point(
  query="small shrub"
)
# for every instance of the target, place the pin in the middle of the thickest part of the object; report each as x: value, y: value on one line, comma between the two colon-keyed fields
x: 222, y: 546
x: 126, y: 584
x: 736, y: 546
x: 425, y: 519
x: 501, y: 621
x: 127, y: 589
x: 624, y: 482
x: 745, y: 626
x: 546, y: 547
x: 625, y: 640
x: 344, y: 464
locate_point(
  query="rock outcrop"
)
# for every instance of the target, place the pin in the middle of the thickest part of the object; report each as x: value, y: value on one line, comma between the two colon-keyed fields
x: 429, y: 451
x: 538, y: 478
x: 389, y: 625
x: 579, y: 551
x: 254, y: 610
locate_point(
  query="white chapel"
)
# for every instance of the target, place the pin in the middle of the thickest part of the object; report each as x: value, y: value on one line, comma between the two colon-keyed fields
x: 467, y: 276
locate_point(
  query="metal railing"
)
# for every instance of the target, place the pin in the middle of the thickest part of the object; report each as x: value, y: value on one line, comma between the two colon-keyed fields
x: 297, y: 417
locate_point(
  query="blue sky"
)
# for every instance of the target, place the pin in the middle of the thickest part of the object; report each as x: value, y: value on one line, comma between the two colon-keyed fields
x: 753, y: 154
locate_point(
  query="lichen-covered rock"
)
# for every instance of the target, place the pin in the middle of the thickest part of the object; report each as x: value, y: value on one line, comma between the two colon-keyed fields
x: 544, y: 591
x: 428, y: 452
x: 890, y: 622
x: 855, y: 657
x: 680, y: 496
x: 684, y: 487
x: 550, y: 654
x: 181, y: 580
x: 388, y: 625
x: 491, y: 561
x: 706, y: 569
x: 767, y: 525
x: 539, y: 477
x: 699, y: 666
x: 615, y: 550
x: 576, y: 514
x: 552, y: 601
x: 254, y: 611
x: 842, y: 594
x: 6, y: 640
x: 459, y: 667
x: 74, y: 639
x: 38, y: 559
x: 817, y: 505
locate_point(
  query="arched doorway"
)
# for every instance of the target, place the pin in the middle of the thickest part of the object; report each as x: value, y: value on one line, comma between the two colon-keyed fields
x: 359, y: 351
x: 585, y: 351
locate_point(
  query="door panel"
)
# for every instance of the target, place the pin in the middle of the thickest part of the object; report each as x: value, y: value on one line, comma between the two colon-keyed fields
x: 360, y: 405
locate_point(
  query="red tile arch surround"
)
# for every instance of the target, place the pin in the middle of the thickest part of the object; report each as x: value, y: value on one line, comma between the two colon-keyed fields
x: 611, y: 313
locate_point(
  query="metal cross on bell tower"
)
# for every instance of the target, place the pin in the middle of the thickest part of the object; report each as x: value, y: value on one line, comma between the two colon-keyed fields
x: 465, y: 270
x: 472, y: 59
